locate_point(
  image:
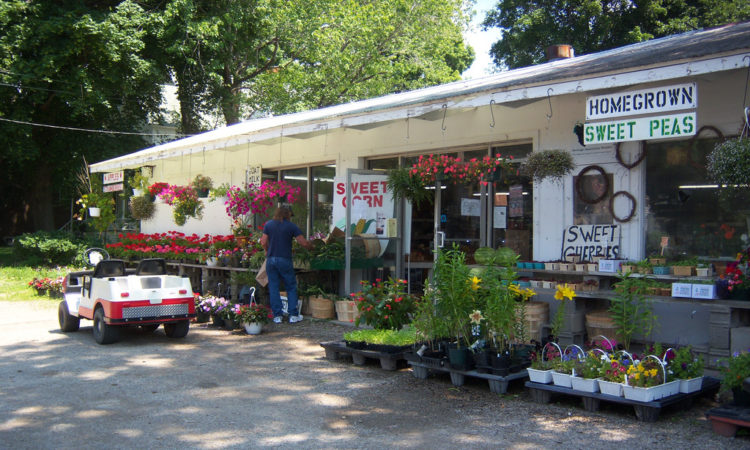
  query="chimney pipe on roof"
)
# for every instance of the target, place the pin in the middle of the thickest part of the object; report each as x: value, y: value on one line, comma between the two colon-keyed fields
x: 560, y: 51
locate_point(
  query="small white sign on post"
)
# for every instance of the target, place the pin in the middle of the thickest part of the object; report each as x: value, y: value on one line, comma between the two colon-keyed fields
x: 113, y: 177
x: 112, y: 187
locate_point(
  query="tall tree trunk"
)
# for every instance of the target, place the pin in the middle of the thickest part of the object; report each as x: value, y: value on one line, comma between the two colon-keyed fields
x: 187, y: 95
x: 39, y: 198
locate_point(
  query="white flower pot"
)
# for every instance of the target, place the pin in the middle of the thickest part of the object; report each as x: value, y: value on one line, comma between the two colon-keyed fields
x: 540, y: 376
x: 212, y: 261
x: 651, y: 393
x: 94, y: 212
x: 253, y: 327
x: 561, y: 379
x: 610, y: 388
x: 691, y: 385
x: 137, y: 192
x: 585, y: 384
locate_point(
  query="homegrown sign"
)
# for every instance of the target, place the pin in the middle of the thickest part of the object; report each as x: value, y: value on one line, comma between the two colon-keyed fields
x: 588, y: 241
x: 645, y: 101
x: 639, y: 129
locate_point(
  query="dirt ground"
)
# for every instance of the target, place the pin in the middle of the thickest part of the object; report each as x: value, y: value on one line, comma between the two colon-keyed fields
x: 221, y: 389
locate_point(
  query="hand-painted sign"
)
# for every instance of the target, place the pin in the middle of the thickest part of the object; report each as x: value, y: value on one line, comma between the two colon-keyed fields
x: 639, y: 129
x: 588, y: 241
x: 113, y: 177
x: 645, y: 101
x: 254, y: 175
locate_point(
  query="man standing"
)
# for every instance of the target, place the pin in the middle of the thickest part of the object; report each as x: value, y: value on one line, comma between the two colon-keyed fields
x: 277, y: 241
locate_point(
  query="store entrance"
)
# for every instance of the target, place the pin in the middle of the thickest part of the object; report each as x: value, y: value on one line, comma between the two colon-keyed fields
x: 460, y: 212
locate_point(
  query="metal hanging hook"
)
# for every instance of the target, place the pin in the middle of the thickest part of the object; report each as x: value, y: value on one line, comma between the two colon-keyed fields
x: 492, y: 114
x: 445, y: 111
x: 549, y: 101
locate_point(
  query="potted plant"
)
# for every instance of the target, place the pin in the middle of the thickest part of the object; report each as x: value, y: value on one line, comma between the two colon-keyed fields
x: 542, y: 363
x: 735, y: 369
x: 630, y: 309
x: 253, y: 317
x: 156, y: 189
x: 202, y: 184
x: 382, y: 340
x: 381, y: 304
x: 141, y: 207
x: 552, y: 164
x: 139, y: 183
x: 202, y: 309
x: 404, y: 186
x: 647, y: 381
x: 216, y: 306
x: 685, y: 267
x: 184, y: 201
x: 728, y: 164
x: 563, y: 292
x: 588, y: 371
x: 685, y: 367
x: 615, y: 372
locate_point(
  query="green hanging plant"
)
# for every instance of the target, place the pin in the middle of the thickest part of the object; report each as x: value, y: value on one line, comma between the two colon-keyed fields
x: 141, y: 207
x: 554, y: 164
x: 729, y: 163
x: 405, y: 186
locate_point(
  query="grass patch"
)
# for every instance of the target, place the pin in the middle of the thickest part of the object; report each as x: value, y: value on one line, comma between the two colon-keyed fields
x: 14, y: 280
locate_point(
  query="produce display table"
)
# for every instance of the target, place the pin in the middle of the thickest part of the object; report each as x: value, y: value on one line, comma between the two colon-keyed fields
x: 388, y: 360
x: 727, y: 418
x: 498, y: 384
x: 644, y: 411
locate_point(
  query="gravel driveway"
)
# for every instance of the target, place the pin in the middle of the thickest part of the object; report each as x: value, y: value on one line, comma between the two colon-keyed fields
x: 220, y: 389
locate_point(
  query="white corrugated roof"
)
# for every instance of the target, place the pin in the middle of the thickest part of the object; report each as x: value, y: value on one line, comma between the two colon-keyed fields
x: 686, y: 54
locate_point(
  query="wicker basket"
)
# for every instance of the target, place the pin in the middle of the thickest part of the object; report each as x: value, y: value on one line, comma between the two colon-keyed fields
x: 322, y: 308
x: 346, y: 311
x: 537, y: 314
x: 600, y: 323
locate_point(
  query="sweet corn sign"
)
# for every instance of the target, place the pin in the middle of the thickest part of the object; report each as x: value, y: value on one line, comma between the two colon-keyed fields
x: 647, y: 101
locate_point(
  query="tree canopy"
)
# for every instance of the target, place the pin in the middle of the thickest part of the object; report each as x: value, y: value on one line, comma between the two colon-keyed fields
x: 76, y: 64
x: 529, y: 26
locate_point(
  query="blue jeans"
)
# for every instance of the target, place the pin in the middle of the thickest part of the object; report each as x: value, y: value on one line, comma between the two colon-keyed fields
x: 279, y: 269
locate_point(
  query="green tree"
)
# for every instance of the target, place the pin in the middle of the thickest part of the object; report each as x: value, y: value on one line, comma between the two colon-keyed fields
x: 529, y: 26
x: 250, y: 57
x: 69, y: 64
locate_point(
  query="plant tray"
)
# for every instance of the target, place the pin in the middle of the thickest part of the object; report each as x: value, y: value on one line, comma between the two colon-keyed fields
x: 388, y: 360
x: 498, y: 384
x: 644, y: 411
x: 338, y: 264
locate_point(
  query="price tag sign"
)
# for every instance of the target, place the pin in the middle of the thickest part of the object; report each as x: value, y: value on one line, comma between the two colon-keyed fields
x: 664, y: 244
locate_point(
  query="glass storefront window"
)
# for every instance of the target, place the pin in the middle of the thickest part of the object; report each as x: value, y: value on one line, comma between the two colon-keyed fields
x: 513, y: 205
x: 322, y: 196
x: 682, y: 205
x: 301, y: 208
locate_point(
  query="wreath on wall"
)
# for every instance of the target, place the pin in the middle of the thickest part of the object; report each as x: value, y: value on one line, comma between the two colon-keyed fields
x: 627, y: 195
x: 641, y: 156
x: 579, y: 184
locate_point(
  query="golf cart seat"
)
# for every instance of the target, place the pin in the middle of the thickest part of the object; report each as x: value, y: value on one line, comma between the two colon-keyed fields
x: 152, y: 266
x: 109, y: 268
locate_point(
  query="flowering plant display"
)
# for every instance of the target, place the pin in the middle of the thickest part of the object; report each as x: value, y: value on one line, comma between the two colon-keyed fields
x: 455, y: 170
x: 258, y: 199
x: 41, y: 284
x: 736, y: 271
x: 683, y: 364
x: 593, y: 365
x: 616, y: 368
x: 201, y: 305
x: 202, y: 183
x: 253, y: 313
x: 184, y: 201
x: 735, y: 370
x: 168, y: 245
x: 384, y: 304
x: 545, y: 358
x: 647, y: 372
x: 157, y: 188
x: 215, y: 305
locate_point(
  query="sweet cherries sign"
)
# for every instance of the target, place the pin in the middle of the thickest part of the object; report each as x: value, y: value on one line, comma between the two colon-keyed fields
x: 588, y: 241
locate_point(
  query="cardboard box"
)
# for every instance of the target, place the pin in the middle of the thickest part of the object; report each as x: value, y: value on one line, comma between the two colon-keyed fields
x: 610, y: 265
x: 704, y: 291
x: 682, y: 290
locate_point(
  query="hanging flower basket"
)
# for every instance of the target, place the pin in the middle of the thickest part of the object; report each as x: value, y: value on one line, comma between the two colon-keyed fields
x: 729, y: 163
x: 553, y: 164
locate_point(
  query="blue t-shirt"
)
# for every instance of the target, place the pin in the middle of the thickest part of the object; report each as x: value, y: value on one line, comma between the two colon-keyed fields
x: 280, y: 235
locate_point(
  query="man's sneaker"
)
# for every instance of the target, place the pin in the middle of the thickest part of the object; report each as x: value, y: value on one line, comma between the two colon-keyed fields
x: 277, y: 319
x: 295, y: 319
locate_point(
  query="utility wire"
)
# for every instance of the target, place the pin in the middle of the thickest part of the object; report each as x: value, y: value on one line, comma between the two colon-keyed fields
x: 90, y: 130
